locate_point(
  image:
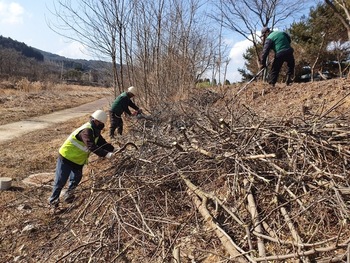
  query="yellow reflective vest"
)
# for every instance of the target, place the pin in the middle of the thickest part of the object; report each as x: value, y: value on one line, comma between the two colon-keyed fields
x: 75, y: 150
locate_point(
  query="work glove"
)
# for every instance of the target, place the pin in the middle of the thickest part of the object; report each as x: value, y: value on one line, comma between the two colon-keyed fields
x: 109, y: 155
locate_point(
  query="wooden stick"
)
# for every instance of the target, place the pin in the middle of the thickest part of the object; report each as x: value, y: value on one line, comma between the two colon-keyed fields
x: 255, y: 218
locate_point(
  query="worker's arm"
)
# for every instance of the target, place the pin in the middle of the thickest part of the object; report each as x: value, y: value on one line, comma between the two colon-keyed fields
x: 88, y: 138
x: 288, y: 37
x: 266, y: 50
x: 104, y: 144
x: 133, y: 105
x: 125, y: 102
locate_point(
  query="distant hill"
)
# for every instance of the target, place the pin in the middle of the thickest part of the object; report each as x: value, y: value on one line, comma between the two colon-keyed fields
x: 36, y: 64
x: 9, y: 43
x: 81, y: 64
x: 40, y: 55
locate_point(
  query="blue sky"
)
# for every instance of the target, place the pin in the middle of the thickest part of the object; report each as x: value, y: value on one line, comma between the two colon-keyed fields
x: 26, y: 21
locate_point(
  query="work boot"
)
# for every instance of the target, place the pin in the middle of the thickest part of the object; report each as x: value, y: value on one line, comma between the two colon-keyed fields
x: 69, y: 196
x: 289, y: 80
x: 54, y: 203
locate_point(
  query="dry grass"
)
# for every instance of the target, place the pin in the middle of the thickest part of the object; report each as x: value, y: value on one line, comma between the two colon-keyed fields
x: 137, y: 207
x: 23, y: 99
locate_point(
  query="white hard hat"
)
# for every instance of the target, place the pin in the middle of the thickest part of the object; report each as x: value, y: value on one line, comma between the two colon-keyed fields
x: 132, y: 90
x: 100, y: 115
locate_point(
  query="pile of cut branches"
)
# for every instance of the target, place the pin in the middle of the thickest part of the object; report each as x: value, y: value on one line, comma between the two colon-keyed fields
x: 214, y: 183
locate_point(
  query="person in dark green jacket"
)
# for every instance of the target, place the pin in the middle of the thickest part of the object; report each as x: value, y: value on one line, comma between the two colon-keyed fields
x: 119, y: 106
x: 279, y: 42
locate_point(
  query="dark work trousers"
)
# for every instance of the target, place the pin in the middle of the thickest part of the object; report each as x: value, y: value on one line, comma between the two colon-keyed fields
x: 281, y: 57
x: 115, y: 122
x: 64, y: 171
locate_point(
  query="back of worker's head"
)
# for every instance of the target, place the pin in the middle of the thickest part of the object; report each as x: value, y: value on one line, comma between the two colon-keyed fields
x: 264, y: 31
x: 132, y: 90
x: 100, y: 115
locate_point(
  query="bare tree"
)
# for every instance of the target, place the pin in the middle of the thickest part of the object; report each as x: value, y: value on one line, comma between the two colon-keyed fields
x: 13, y: 64
x: 163, y: 47
x: 340, y: 50
x: 99, y: 26
x: 173, y: 45
x: 147, y: 32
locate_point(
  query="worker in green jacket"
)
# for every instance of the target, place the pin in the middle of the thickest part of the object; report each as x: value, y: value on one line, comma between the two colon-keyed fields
x: 119, y: 106
x: 279, y: 42
x: 74, y: 154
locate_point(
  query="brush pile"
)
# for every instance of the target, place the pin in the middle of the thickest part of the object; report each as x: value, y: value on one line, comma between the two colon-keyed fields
x: 211, y: 181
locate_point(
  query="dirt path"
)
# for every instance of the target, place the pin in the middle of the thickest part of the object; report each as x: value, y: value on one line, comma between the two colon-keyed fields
x: 16, y: 129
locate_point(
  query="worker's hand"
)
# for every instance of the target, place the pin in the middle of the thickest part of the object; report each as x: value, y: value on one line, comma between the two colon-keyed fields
x: 109, y: 155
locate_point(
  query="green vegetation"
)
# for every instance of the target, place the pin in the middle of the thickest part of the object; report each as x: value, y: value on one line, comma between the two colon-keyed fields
x: 321, y: 47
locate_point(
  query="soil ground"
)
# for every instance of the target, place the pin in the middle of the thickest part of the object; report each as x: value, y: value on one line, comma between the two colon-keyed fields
x: 36, y: 151
x: 26, y: 115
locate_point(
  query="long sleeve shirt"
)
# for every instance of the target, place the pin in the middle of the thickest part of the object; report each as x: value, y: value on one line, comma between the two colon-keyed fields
x: 279, y: 42
x: 122, y: 104
x: 88, y: 137
x: 100, y: 148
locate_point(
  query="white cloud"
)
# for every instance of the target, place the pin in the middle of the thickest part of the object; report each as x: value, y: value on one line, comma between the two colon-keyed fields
x: 236, y: 60
x: 74, y: 50
x: 236, y: 53
x: 11, y: 13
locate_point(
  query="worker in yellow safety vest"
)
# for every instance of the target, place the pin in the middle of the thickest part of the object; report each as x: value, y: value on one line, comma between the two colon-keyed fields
x: 74, y: 154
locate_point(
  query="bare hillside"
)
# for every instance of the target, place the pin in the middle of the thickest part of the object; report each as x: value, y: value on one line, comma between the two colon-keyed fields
x: 259, y: 177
